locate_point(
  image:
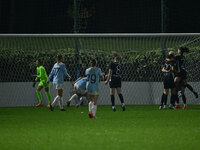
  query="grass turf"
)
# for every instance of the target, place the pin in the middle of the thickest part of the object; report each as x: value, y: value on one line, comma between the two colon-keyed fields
x: 138, y: 128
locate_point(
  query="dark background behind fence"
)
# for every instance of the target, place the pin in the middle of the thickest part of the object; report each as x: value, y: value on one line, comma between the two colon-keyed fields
x: 98, y: 16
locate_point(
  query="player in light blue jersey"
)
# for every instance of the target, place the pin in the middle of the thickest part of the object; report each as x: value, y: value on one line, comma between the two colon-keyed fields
x: 58, y: 72
x: 94, y: 75
x: 80, y: 88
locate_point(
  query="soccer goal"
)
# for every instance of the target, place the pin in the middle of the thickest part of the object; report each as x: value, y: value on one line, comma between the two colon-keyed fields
x: 142, y: 56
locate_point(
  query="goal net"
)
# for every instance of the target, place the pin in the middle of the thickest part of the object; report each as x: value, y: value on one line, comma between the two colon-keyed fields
x: 142, y: 56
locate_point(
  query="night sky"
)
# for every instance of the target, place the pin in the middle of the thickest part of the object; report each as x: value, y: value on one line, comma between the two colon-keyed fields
x: 98, y: 16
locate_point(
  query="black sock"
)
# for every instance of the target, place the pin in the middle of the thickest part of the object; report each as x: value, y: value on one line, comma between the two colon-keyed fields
x: 112, y: 100
x: 121, y: 98
x: 176, y: 99
x: 190, y: 87
x: 172, y: 100
x: 164, y: 99
x: 184, y: 98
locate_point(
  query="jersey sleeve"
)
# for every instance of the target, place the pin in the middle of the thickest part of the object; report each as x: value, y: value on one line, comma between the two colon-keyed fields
x: 65, y: 71
x: 86, y: 72
x: 51, y: 74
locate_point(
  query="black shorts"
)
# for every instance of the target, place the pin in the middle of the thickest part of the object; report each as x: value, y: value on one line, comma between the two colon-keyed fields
x: 117, y: 84
x: 168, y: 83
x: 182, y: 74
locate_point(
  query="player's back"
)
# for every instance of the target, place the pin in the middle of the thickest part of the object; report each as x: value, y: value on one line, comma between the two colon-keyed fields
x: 82, y: 83
x: 181, y: 61
x: 93, y: 78
x: 116, y: 71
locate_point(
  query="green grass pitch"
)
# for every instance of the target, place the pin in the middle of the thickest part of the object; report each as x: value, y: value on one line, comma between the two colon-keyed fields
x: 138, y: 128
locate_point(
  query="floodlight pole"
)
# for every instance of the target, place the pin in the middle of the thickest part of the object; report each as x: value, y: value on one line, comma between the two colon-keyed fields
x: 163, y: 16
x: 163, y: 29
x: 76, y: 38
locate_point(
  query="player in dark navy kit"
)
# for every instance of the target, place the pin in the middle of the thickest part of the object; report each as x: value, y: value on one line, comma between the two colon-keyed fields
x: 114, y: 78
x: 168, y: 70
x: 181, y: 77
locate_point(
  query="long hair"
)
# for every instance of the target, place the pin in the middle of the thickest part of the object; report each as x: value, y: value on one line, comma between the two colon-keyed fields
x: 184, y: 49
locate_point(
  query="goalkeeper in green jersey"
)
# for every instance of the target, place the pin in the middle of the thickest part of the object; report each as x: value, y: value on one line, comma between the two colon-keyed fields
x: 42, y: 76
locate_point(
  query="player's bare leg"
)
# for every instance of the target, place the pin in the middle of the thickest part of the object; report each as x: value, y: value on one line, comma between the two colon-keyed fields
x: 60, y: 100
x: 94, y: 108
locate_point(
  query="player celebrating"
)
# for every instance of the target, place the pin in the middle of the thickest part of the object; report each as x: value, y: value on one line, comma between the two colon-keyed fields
x: 180, y: 79
x: 168, y: 81
x: 80, y: 88
x: 58, y: 72
x: 42, y: 76
x: 176, y: 65
x: 92, y: 86
x: 114, y: 79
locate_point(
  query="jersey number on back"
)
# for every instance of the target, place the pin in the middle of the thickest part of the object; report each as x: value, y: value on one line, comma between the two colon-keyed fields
x: 92, y: 78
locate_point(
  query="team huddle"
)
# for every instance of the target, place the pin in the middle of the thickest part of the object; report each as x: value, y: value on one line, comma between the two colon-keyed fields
x: 175, y: 78
x: 86, y: 86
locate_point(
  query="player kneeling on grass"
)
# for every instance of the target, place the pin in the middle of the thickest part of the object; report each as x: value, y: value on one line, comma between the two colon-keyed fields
x: 80, y: 88
x: 58, y: 72
x: 92, y: 86
x: 168, y: 81
x: 42, y: 76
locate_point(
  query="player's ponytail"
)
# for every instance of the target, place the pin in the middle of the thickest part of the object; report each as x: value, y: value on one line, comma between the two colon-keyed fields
x: 184, y: 49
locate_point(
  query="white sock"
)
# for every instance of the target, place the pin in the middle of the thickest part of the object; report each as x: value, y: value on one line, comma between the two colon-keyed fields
x: 94, y: 110
x: 80, y: 101
x: 60, y: 102
x: 55, y: 99
x: 90, y: 106
x: 113, y: 107
x: 75, y: 96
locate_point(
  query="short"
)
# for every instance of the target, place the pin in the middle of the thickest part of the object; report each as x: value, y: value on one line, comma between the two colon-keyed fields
x: 58, y: 86
x: 115, y: 84
x: 93, y: 93
x: 79, y: 90
x: 182, y: 74
x: 169, y: 83
x: 44, y: 84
